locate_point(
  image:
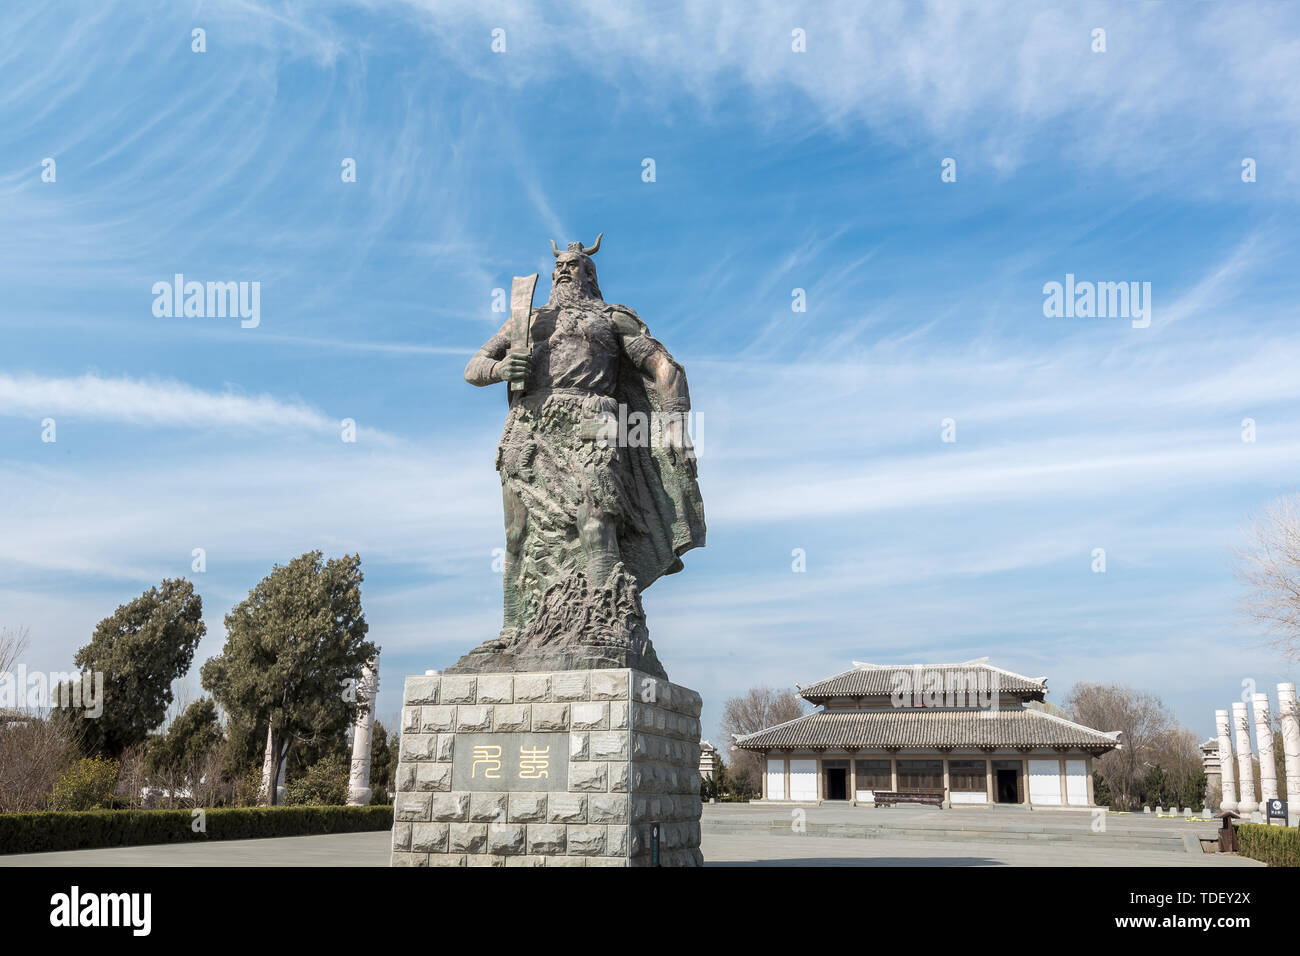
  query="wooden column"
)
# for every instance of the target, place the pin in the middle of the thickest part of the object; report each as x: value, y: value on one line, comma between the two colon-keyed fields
x: 785, y: 787
x: 1087, y: 769
x: 762, y: 787
x: 988, y: 779
x: 893, y: 772
x: 947, y: 790
x: 1024, y: 771
x: 1065, y: 796
x: 821, y: 783
x: 852, y: 789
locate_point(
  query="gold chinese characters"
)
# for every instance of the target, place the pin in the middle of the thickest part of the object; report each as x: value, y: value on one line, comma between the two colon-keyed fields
x: 534, y: 762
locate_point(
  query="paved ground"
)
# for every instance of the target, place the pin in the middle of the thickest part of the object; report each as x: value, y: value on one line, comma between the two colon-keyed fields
x: 739, y: 836
x: 336, y: 849
x: 746, y: 850
x: 1014, y: 819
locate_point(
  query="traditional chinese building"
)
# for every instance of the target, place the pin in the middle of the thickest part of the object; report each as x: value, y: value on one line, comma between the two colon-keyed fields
x: 1213, y: 772
x: 954, y: 734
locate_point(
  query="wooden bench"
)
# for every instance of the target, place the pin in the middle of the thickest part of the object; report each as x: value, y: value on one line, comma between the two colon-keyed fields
x: 887, y: 798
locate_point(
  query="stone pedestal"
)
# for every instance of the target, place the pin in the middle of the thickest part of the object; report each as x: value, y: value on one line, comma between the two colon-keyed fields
x: 564, y: 768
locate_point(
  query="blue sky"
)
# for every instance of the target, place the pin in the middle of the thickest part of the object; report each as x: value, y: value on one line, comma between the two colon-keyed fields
x: 775, y: 170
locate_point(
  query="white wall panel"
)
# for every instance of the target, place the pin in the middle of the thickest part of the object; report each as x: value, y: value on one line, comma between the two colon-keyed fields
x: 803, y: 779
x: 1045, y: 783
x: 1076, y: 782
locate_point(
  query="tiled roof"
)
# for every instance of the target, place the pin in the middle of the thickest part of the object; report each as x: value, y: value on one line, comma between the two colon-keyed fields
x: 921, y: 728
x: 880, y: 680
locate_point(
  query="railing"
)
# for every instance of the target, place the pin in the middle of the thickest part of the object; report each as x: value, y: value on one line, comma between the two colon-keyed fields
x: 887, y: 798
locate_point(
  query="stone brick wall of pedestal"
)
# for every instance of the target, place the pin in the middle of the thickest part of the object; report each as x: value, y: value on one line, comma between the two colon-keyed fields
x: 571, y: 768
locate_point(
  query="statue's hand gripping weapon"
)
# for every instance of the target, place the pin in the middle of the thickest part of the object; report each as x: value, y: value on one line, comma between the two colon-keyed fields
x: 521, y: 311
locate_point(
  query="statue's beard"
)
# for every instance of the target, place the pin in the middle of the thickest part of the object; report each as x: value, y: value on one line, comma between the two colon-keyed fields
x: 572, y: 293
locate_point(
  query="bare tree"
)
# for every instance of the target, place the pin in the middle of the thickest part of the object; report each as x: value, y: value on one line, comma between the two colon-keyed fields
x: 13, y: 645
x: 33, y: 752
x: 755, y: 710
x: 1270, y: 567
x: 1178, y: 754
x: 132, y: 776
x: 1146, y: 728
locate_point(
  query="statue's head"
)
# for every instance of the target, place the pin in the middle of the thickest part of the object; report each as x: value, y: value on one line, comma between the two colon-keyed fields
x: 575, y: 274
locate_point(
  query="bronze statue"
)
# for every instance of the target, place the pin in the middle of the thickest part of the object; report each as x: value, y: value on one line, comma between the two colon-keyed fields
x: 597, y: 475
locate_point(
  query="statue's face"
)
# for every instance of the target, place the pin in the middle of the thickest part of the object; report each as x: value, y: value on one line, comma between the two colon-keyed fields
x: 568, y: 270
x: 574, y: 279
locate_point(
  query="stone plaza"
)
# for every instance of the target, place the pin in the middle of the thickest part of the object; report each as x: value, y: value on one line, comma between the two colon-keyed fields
x: 754, y: 835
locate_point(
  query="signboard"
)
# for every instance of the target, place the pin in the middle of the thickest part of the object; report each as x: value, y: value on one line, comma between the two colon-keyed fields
x: 1276, y: 810
x: 511, y: 762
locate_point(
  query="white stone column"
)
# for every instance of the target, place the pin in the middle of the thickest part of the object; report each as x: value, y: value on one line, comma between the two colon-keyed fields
x: 1227, y: 768
x: 265, y: 792
x: 359, y: 794
x: 1264, y: 743
x: 1290, y: 717
x: 1246, y: 803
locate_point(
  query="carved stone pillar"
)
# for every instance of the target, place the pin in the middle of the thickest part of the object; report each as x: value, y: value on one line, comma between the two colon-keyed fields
x: 1246, y: 803
x: 359, y: 794
x: 1286, y: 705
x: 1227, y: 767
x: 266, y: 774
x: 1267, y: 762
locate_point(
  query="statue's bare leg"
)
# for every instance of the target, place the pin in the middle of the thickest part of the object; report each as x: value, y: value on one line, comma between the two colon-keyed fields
x: 516, y: 526
x: 599, y: 543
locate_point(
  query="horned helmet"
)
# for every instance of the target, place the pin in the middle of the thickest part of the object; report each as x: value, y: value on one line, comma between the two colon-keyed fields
x: 580, y: 254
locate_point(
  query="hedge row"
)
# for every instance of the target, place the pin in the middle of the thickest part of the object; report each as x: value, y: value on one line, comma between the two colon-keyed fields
x: 90, y: 829
x: 1276, y: 846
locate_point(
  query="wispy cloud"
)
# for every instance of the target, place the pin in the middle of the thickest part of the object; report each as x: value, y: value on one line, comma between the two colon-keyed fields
x: 985, y: 78
x: 154, y: 403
